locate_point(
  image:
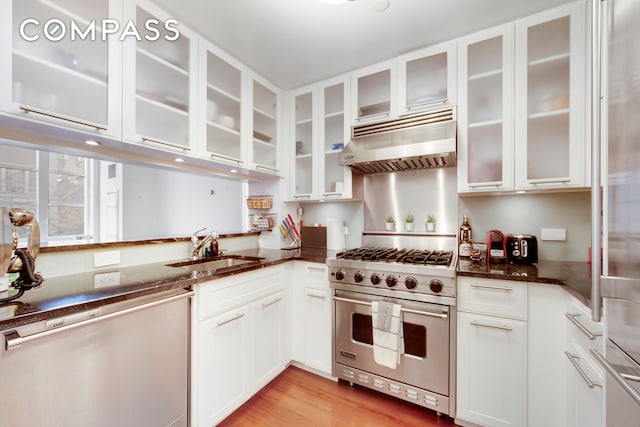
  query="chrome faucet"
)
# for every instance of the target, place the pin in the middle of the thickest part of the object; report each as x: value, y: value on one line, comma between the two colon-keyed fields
x: 210, y: 239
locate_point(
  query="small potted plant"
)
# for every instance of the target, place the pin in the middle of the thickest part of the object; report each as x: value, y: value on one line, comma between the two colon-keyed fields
x: 389, y: 223
x: 408, y: 223
x: 431, y: 223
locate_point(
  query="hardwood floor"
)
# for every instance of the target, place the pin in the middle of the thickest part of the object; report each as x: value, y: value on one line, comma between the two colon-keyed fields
x: 302, y: 399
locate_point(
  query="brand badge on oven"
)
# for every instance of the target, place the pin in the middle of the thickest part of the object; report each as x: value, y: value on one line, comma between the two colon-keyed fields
x: 347, y: 354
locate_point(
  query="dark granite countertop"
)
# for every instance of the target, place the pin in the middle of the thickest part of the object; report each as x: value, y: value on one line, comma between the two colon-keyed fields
x: 65, y: 295
x: 575, y: 276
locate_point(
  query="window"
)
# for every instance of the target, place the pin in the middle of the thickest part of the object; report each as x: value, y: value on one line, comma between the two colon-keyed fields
x: 57, y: 187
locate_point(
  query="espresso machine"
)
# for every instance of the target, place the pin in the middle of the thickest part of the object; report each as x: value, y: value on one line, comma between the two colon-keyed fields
x: 14, y: 260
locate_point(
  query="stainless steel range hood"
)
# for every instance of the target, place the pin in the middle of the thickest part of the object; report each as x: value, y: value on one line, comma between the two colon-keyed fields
x: 419, y: 141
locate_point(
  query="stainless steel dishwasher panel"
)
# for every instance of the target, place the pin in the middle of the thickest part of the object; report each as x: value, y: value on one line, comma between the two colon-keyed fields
x: 123, y: 365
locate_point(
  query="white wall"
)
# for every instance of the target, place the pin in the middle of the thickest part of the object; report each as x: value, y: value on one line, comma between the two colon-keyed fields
x: 166, y: 203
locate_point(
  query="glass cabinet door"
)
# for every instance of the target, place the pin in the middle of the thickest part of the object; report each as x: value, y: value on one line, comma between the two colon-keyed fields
x: 428, y: 78
x: 335, y: 182
x: 550, y: 59
x: 486, y: 124
x: 303, y: 146
x: 373, y: 89
x: 265, y: 108
x: 160, y: 84
x: 54, y: 77
x: 223, y: 108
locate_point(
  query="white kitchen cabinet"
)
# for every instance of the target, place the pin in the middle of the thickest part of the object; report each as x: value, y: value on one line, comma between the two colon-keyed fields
x: 491, y: 352
x: 427, y: 78
x: 491, y: 371
x: 303, y: 111
x: 264, y: 144
x: 311, y: 316
x: 238, y: 341
x: 69, y: 83
x: 551, y: 68
x: 546, y: 362
x: 585, y: 378
x: 221, y: 121
x: 374, y: 92
x: 268, y: 339
x: 522, y: 116
x: 160, y: 84
x: 485, y: 113
x: 223, y: 377
x: 319, y: 122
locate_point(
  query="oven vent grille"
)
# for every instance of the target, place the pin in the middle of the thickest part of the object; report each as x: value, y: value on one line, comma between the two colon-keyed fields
x: 405, y: 122
x: 436, y: 161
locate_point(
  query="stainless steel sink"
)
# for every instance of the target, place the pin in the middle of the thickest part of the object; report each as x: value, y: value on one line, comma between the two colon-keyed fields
x: 217, y: 264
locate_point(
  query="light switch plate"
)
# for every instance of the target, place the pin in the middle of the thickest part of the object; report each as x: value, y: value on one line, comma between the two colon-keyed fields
x: 100, y: 259
x: 556, y: 234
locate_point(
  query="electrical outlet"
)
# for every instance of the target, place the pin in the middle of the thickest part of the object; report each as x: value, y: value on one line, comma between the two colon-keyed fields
x: 100, y: 259
x: 103, y: 280
x: 556, y: 234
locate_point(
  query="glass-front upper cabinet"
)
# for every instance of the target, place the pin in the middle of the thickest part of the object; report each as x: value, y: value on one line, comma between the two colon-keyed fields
x: 160, y: 86
x: 335, y: 181
x: 221, y: 120
x: 373, y: 90
x: 58, y: 64
x: 265, y: 126
x: 428, y: 78
x: 303, y: 111
x: 485, y: 114
x: 551, y: 61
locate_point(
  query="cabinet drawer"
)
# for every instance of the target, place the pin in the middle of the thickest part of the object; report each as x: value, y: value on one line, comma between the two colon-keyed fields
x: 505, y: 298
x: 223, y: 294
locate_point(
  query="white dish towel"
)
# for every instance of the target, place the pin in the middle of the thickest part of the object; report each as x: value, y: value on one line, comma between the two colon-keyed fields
x: 388, y: 344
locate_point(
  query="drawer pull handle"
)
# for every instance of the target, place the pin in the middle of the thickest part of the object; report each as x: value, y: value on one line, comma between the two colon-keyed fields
x: 492, y: 287
x: 265, y: 305
x: 574, y: 319
x: 574, y: 361
x: 318, y: 296
x: 236, y: 317
x: 487, y: 325
x: 146, y: 139
x: 42, y: 112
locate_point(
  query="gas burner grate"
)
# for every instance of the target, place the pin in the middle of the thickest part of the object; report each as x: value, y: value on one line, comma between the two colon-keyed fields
x: 402, y: 256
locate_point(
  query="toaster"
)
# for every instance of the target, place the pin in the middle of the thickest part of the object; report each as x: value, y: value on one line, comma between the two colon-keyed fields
x: 522, y: 249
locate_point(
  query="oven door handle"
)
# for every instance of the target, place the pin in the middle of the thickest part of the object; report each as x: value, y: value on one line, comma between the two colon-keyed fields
x: 405, y: 310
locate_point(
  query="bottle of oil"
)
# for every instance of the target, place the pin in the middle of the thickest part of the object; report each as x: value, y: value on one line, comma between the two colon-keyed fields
x: 464, y: 241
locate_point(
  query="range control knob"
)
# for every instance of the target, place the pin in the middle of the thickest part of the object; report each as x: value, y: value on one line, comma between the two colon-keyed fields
x: 358, y: 277
x: 411, y: 282
x: 376, y: 279
x: 436, y: 285
x: 340, y: 275
x: 392, y: 280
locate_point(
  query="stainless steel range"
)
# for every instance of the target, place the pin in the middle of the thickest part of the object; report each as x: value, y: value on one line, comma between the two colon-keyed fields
x: 422, y: 282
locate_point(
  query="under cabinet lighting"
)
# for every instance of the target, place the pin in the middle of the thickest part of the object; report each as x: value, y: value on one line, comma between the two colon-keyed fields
x: 233, y: 170
x: 178, y: 160
x: 91, y: 142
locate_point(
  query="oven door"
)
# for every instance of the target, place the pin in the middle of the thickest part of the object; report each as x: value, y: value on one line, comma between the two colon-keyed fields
x: 425, y: 361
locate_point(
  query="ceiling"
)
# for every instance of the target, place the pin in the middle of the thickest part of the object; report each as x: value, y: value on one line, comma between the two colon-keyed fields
x: 296, y: 42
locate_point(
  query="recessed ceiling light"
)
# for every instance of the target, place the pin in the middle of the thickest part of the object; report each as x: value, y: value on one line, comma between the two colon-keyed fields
x: 91, y: 142
x: 178, y: 160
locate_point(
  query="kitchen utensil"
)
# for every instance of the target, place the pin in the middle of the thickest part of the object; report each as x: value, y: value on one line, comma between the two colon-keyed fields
x: 522, y: 249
